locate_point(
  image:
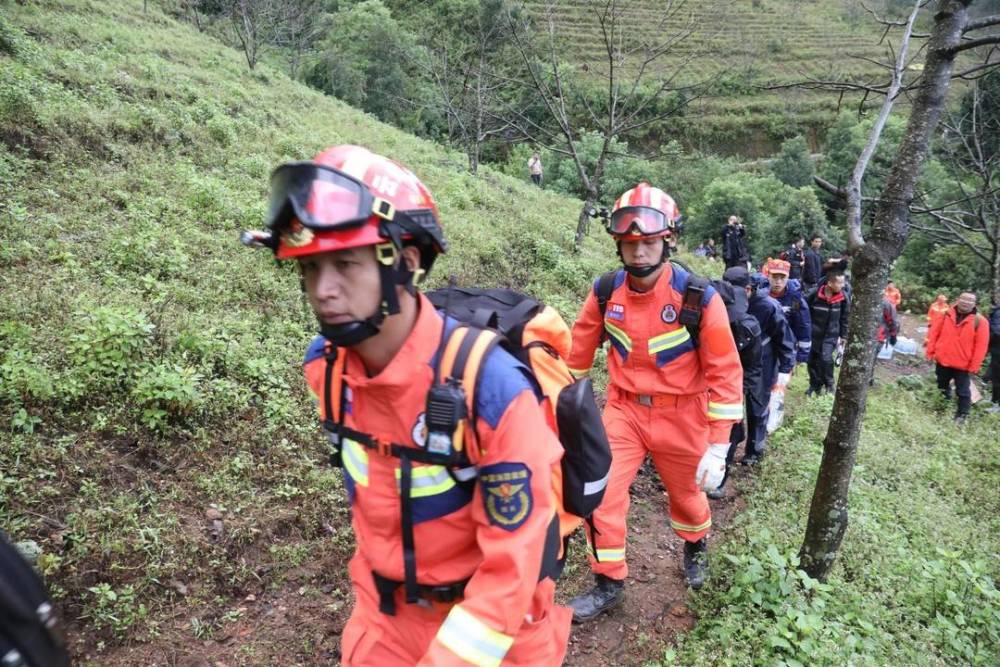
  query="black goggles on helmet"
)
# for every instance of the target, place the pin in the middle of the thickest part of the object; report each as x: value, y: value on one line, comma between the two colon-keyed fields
x: 320, y: 197
x: 641, y: 219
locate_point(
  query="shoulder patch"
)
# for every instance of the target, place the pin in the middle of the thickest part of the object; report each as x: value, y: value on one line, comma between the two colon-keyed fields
x: 506, y: 489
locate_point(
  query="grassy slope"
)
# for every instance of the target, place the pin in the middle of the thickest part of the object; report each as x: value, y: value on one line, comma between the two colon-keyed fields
x: 148, y: 363
x: 780, y: 41
x: 915, y: 581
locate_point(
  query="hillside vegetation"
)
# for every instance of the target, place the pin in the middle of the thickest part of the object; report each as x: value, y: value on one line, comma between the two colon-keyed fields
x: 159, y: 447
x: 749, y: 44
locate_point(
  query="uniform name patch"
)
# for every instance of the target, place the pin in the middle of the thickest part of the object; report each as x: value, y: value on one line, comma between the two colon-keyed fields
x: 616, y: 311
x: 669, y: 314
x: 506, y: 494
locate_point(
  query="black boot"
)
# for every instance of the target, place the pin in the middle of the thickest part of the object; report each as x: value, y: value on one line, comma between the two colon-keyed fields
x: 695, y: 563
x: 607, y: 594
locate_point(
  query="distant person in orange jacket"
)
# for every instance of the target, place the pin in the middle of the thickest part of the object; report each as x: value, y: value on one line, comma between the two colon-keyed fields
x: 448, y: 568
x: 937, y: 310
x: 892, y: 295
x: 957, y: 345
x: 674, y: 392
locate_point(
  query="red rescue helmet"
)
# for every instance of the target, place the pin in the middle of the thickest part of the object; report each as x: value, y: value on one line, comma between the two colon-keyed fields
x: 348, y: 197
x: 644, y: 211
x: 777, y: 266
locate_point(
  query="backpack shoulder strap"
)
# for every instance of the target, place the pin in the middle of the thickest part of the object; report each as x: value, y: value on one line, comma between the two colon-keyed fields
x: 334, y: 391
x: 465, y: 352
x: 605, y: 286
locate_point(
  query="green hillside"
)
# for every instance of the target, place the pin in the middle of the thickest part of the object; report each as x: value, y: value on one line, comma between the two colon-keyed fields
x: 755, y: 43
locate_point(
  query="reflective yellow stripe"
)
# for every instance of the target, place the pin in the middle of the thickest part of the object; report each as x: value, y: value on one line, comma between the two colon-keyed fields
x: 427, y: 481
x: 579, y: 372
x: 472, y: 640
x: 669, y: 340
x: 725, y: 410
x: 690, y: 529
x: 611, y: 555
x: 618, y: 335
x: 355, y: 460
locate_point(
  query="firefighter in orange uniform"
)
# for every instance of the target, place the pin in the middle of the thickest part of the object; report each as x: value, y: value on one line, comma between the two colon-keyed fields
x: 939, y: 307
x: 893, y: 295
x: 675, y: 391
x: 450, y: 565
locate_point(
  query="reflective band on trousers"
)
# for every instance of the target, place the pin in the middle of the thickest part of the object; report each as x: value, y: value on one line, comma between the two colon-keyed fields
x: 691, y: 529
x: 670, y: 340
x: 427, y: 481
x: 725, y: 410
x: 618, y: 335
x: 472, y: 640
x: 355, y: 460
x: 590, y: 488
x: 611, y: 555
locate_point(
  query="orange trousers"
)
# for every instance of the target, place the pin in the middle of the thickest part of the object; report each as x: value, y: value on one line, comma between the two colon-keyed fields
x: 676, y: 436
x: 373, y: 639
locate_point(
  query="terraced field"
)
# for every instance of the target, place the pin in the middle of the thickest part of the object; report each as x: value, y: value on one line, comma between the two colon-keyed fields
x: 774, y: 42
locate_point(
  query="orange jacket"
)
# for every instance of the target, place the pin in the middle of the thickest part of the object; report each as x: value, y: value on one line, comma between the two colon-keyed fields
x: 935, y: 313
x: 494, y: 533
x: 960, y: 345
x: 652, y: 352
x: 893, y: 296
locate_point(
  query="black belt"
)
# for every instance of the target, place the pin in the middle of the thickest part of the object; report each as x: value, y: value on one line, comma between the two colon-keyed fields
x: 444, y: 593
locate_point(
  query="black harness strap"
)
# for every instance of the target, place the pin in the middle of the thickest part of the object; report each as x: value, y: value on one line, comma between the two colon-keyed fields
x: 406, y: 512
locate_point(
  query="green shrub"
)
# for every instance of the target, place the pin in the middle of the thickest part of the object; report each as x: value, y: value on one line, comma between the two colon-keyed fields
x: 108, y: 344
x: 167, y: 393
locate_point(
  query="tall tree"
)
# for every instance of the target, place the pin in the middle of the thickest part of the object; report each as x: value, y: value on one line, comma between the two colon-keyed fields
x: 639, y: 86
x: 872, y: 257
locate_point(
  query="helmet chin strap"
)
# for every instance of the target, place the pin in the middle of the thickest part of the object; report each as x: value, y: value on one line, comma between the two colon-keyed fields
x: 391, y: 274
x: 643, y: 271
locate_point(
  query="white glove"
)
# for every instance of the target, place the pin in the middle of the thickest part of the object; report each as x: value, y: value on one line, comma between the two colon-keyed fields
x: 712, y: 467
x: 783, y: 379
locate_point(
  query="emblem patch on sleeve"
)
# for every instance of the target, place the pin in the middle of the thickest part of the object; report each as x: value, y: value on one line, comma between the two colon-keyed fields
x: 669, y: 314
x: 506, y: 494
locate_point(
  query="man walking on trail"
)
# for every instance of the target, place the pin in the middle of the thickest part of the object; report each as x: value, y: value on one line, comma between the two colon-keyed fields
x: 442, y: 574
x: 535, y: 168
x: 995, y: 357
x: 771, y: 365
x: 674, y: 390
x: 813, y: 265
x: 937, y: 310
x: 828, y: 309
x: 788, y: 292
x: 795, y: 258
x: 957, y: 345
x: 734, y: 243
x: 892, y: 295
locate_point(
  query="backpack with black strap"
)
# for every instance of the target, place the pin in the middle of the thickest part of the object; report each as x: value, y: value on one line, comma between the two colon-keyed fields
x: 537, y: 336
x: 30, y: 634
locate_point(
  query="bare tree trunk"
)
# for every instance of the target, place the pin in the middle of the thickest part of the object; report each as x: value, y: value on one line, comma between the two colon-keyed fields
x: 995, y: 274
x: 828, y: 514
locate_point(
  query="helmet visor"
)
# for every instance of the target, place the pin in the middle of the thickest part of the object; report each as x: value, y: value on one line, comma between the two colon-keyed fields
x: 642, y: 219
x: 318, y: 196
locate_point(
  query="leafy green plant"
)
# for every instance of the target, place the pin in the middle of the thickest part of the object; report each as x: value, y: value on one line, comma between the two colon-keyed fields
x: 118, y: 611
x: 167, y: 392
x: 108, y: 343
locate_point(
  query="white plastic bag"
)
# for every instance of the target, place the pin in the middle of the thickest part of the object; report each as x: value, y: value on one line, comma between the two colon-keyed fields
x: 885, y: 351
x: 906, y: 346
x: 776, y: 409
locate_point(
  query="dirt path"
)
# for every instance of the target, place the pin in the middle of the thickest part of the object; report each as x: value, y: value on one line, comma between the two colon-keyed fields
x: 655, y: 608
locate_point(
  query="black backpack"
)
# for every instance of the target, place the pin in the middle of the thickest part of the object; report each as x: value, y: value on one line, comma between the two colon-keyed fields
x: 30, y: 633
x: 745, y: 327
x: 528, y: 330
